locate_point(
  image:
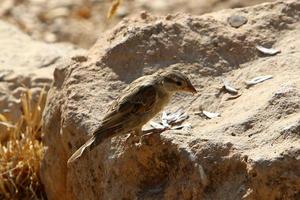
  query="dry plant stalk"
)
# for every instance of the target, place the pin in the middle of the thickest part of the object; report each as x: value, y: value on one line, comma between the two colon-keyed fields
x: 113, y: 9
x: 20, y: 155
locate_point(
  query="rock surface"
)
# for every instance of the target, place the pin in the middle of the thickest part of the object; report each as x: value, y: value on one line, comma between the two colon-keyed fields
x: 252, y: 151
x: 25, y: 64
x: 81, y: 21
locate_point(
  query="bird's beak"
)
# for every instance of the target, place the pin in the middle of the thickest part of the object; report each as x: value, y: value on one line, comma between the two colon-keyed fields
x: 191, y: 88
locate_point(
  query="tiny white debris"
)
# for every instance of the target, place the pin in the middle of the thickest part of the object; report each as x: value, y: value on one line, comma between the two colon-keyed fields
x: 186, y: 126
x: 168, y: 120
x: 173, y: 118
x: 233, y: 97
x: 156, y: 125
x: 181, y: 117
x: 258, y: 79
x: 268, y: 51
x: 228, y: 87
x: 210, y: 115
x: 164, y: 119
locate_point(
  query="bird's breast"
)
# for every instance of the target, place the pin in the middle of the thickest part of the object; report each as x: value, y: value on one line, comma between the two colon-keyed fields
x: 162, y: 100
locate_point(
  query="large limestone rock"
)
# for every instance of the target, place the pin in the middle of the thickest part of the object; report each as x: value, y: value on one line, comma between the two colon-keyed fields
x: 25, y: 64
x: 252, y: 151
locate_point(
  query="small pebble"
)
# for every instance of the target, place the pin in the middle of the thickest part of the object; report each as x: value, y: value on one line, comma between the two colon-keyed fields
x: 237, y: 20
x: 79, y: 58
x: 169, y: 17
x: 144, y: 15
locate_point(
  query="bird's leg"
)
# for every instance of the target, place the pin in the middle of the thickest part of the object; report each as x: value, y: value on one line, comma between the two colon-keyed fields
x: 152, y: 135
x: 138, y: 131
x: 154, y: 131
x: 134, y: 135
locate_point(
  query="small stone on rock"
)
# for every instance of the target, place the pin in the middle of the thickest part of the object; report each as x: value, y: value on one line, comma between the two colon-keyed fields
x: 144, y: 15
x: 237, y: 20
x: 169, y: 17
x: 79, y: 58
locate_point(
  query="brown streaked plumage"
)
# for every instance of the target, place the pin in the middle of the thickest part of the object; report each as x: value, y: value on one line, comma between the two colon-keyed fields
x: 140, y: 102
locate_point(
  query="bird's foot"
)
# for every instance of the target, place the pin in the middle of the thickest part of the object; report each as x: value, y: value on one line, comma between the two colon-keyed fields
x: 154, y: 131
x: 151, y: 134
x: 143, y: 136
x: 133, y: 138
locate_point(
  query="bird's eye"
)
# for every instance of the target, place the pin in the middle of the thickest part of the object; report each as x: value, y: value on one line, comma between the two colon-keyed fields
x: 178, y: 83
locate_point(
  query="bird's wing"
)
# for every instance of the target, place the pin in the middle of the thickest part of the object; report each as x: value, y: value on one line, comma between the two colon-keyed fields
x: 137, y: 103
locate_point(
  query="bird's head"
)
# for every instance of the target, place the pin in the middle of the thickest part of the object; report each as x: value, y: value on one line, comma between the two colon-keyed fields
x: 174, y: 81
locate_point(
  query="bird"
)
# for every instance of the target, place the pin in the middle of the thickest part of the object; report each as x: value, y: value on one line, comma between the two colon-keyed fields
x: 140, y: 101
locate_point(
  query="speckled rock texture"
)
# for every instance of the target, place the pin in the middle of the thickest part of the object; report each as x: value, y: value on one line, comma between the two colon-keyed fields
x: 251, y: 151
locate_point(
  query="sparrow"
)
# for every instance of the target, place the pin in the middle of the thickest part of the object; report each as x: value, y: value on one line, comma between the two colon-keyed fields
x: 141, y: 101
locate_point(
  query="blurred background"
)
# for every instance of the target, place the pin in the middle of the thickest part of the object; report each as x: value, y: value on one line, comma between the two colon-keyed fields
x: 27, y: 66
x: 82, y: 21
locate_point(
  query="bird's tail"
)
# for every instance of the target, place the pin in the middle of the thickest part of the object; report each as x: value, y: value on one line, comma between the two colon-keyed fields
x: 79, y: 152
x: 94, y: 141
x: 97, y: 137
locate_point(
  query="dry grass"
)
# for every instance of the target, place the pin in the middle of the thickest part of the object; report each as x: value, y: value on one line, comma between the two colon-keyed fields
x: 22, y: 151
x: 113, y: 9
